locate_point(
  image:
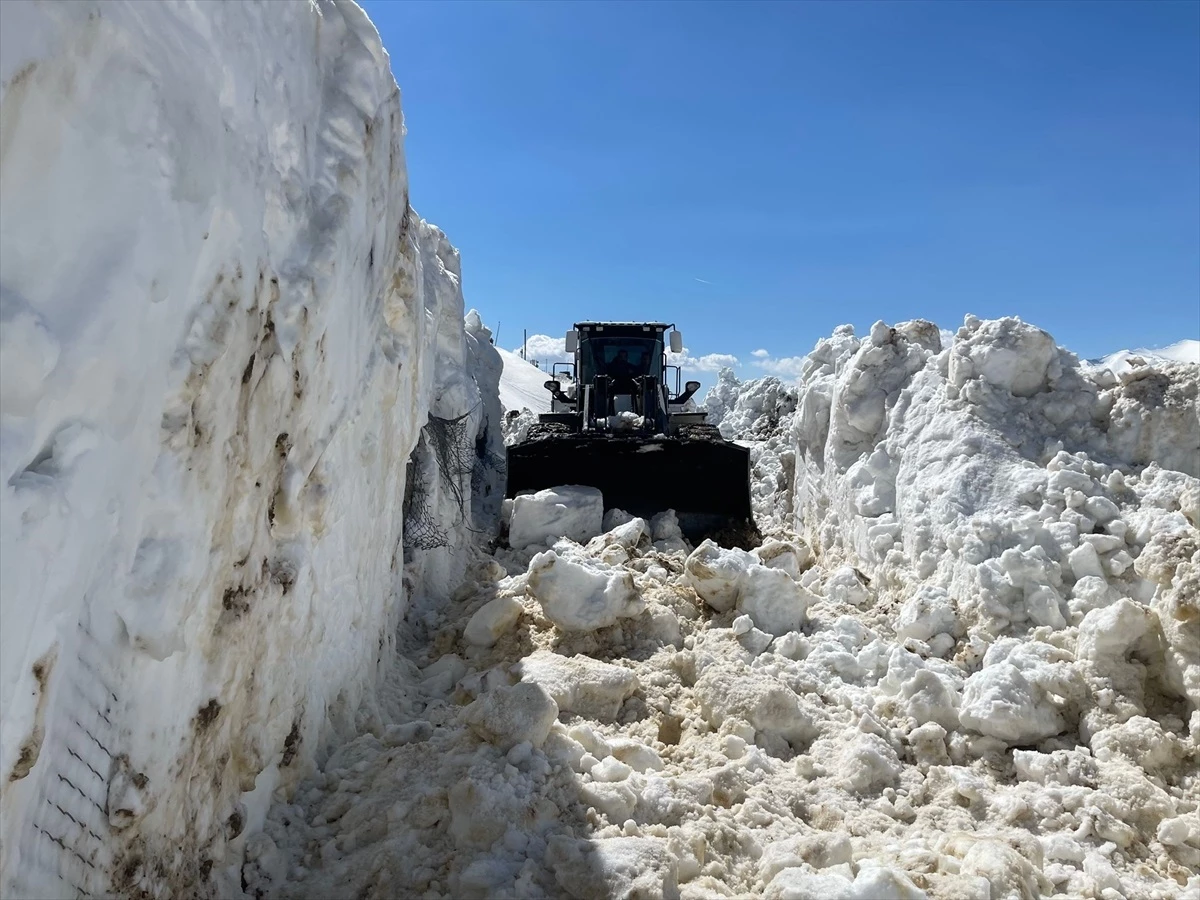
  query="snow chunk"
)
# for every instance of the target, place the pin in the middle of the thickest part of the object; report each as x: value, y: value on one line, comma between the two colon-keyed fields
x: 1009, y: 873
x: 614, y: 517
x: 666, y: 532
x: 868, y: 763
x: 507, y: 716
x: 871, y: 883
x: 1106, y: 634
x: 491, y: 620
x: 817, y: 850
x: 582, y: 595
x: 792, y: 558
x: 623, y: 868
x: 610, y: 769
x: 716, y: 574
x: 1006, y: 353
x: 1011, y: 698
x: 638, y: 756
x: 1085, y: 561
x: 775, y: 602
x: 929, y: 612
x: 580, y: 684
x: 758, y: 699
x: 570, y: 511
x: 848, y: 585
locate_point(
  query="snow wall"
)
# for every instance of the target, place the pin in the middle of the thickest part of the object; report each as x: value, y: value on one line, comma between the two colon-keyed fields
x: 1004, y: 485
x: 224, y: 331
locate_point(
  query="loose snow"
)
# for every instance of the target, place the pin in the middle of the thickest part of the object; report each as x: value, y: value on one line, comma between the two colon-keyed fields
x: 960, y: 667
x: 259, y: 639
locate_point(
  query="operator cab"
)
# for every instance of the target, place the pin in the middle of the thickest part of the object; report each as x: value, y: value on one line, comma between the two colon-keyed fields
x: 619, y: 367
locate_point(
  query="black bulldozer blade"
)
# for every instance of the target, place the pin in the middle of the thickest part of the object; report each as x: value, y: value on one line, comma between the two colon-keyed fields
x: 706, y: 481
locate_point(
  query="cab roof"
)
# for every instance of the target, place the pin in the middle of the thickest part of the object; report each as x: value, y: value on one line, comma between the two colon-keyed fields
x: 660, y: 326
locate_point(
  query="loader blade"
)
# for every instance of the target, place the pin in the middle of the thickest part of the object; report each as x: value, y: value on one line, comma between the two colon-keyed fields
x: 706, y: 482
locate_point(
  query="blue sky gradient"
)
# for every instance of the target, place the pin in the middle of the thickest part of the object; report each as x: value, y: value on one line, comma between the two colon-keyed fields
x: 762, y: 172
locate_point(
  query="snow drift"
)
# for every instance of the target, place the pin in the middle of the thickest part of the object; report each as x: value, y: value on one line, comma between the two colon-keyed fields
x: 223, y: 331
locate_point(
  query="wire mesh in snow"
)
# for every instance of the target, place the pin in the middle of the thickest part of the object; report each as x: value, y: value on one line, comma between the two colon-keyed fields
x: 454, y: 451
x: 422, y: 531
x: 486, y: 460
x: 456, y: 454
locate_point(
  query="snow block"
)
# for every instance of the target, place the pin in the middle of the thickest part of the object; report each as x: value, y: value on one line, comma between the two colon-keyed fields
x: 580, y: 684
x: 622, y: 867
x: 773, y: 600
x: 1011, y: 697
x: 582, y: 595
x: 491, y: 620
x: 716, y: 574
x: 817, y: 850
x: 792, y: 558
x: 766, y: 704
x: 570, y: 511
x: 508, y: 716
x: 929, y: 612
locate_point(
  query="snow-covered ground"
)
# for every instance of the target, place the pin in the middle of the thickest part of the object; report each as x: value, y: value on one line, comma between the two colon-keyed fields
x: 522, y: 385
x: 964, y: 664
x: 522, y: 395
x: 256, y: 640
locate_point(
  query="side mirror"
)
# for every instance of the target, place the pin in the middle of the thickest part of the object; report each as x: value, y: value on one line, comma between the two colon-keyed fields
x: 551, y: 385
x: 572, y: 342
x: 676, y: 342
x: 688, y: 390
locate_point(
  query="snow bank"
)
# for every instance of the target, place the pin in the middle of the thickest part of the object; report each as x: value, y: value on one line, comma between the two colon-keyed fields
x: 758, y: 414
x: 223, y: 330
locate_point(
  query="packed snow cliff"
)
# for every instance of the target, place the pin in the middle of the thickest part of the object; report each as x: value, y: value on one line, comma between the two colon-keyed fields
x: 223, y: 330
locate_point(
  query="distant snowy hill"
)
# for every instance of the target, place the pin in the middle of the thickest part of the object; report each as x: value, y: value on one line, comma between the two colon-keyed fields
x: 521, y: 384
x: 1187, y: 351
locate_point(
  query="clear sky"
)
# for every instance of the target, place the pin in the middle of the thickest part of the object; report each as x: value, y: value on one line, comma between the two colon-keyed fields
x: 761, y: 172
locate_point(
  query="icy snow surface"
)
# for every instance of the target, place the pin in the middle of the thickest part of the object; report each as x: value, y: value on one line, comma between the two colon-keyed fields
x: 223, y: 329
x: 963, y: 664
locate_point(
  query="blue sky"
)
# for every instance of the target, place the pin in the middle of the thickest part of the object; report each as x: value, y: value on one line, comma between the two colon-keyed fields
x: 762, y: 172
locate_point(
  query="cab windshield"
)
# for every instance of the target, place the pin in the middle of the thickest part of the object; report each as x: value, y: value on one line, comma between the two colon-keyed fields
x: 622, y: 357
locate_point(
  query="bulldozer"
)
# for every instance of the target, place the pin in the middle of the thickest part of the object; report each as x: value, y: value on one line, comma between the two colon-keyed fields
x: 616, y: 425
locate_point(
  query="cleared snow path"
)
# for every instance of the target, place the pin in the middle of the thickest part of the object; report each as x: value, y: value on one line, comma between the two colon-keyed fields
x: 975, y: 683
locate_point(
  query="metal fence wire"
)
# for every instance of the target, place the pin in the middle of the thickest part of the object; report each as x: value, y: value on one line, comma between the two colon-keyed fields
x: 421, y: 528
x: 446, y: 446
